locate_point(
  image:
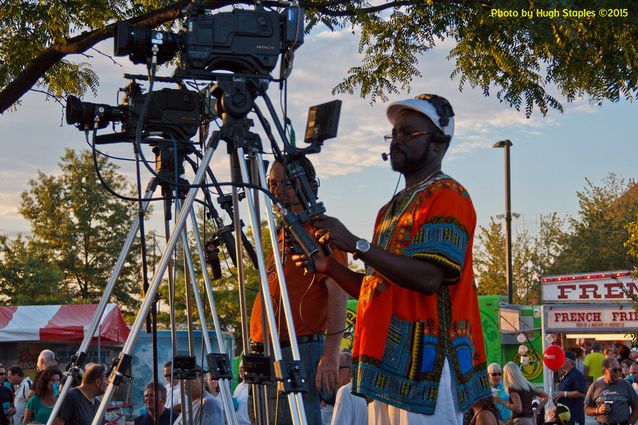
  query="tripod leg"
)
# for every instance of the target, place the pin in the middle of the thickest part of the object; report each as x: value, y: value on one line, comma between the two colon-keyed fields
x: 124, y: 360
x: 210, y: 295
x: 78, y: 359
x: 171, y: 278
x: 282, y: 283
x: 189, y: 274
x: 236, y: 178
x: 295, y: 403
x: 227, y: 402
x: 260, y: 405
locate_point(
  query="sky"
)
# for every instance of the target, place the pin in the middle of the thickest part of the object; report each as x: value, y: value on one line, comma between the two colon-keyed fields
x: 551, y: 156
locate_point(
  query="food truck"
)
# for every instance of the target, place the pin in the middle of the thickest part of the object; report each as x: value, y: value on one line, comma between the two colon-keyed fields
x: 593, y: 306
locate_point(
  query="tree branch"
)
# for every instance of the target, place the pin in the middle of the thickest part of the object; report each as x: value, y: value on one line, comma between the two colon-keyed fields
x: 107, y: 56
x: 51, y: 95
x: 325, y: 8
x: 39, y: 65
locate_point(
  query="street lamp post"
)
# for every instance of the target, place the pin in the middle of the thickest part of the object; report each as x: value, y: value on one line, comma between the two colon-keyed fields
x: 508, y: 217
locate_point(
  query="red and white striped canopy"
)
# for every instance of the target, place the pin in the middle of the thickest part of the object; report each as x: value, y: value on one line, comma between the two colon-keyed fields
x: 60, y: 323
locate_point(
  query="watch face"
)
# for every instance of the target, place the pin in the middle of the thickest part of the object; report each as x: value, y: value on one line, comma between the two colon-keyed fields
x: 363, y: 245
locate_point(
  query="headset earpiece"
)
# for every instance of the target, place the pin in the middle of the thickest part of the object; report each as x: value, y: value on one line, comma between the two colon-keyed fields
x: 314, y: 185
x: 443, y: 109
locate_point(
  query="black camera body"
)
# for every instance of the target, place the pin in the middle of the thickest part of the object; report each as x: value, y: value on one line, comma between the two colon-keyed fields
x: 171, y: 111
x: 241, y: 41
x: 175, y: 112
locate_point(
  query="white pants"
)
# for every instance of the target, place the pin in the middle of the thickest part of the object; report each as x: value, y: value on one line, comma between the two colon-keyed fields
x: 445, y: 413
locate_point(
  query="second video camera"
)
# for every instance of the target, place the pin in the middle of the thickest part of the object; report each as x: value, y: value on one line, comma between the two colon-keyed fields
x: 177, y: 112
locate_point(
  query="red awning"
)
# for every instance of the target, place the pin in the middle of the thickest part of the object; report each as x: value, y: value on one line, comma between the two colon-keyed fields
x: 60, y: 323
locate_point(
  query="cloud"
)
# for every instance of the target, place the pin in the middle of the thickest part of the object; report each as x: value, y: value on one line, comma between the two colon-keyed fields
x: 9, y: 203
x: 324, y: 60
x: 582, y: 106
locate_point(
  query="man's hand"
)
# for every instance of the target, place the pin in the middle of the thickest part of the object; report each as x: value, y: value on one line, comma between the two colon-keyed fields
x: 604, y: 409
x: 328, y: 373
x: 320, y: 260
x: 331, y: 231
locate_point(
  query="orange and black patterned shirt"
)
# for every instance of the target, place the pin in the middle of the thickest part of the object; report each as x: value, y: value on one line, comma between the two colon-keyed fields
x: 402, y: 336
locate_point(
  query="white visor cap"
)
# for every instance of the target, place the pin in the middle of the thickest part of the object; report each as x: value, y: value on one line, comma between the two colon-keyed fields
x: 422, y: 106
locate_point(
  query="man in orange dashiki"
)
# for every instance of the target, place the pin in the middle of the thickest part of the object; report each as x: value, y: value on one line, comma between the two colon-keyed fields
x: 418, y: 350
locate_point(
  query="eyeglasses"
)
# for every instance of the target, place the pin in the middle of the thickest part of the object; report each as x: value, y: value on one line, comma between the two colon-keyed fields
x: 633, y: 373
x: 2, y: 373
x: 404, y: 134
x: 496, y: 374
x: 167, y: 376
x: 615, y: 370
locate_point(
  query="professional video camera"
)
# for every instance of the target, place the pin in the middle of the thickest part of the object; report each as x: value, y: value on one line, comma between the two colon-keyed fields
x: 241, y: 41
x: 177, y: 112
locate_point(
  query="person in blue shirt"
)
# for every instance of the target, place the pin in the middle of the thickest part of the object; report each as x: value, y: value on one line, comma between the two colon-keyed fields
x: 156, y: 409
x: 571, y: 390
x: 501, y: 398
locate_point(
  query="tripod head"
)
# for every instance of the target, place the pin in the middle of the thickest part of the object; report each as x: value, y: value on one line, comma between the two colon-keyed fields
x: 169, y: 158
x: 236, y: 96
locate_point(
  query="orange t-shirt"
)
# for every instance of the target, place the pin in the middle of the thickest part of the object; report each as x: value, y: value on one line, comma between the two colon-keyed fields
x: 307, y: 294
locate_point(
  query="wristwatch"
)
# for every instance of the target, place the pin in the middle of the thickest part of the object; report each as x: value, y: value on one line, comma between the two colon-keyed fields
x: 361, y: 247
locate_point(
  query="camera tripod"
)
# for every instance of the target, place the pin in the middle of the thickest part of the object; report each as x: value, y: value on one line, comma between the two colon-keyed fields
x: 240, y: 143
x: 217, y: 362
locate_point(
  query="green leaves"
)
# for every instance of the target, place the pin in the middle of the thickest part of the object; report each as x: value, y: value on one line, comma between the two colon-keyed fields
x: 68, y: 77
x: 31, y: 31
x: 527, y: 62
x: 27, y: 276
x: 78, y: 229
x: 599, y: 234
x: 532, y: 256
x: 603, y: 237
x: 530, y: 63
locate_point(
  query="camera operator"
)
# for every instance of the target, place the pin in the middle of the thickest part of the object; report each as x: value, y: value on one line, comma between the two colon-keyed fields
x: 418, y: 347
x: 612, y: 400
x: 318, y: 307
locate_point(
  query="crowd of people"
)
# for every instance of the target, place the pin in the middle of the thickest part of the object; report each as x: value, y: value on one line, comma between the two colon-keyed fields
x: 595, y: 386
x: 27, y: 402
x: 31, y: 402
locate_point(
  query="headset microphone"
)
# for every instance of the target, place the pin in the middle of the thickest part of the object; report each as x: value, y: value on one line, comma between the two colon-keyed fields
x: 385, y: 156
